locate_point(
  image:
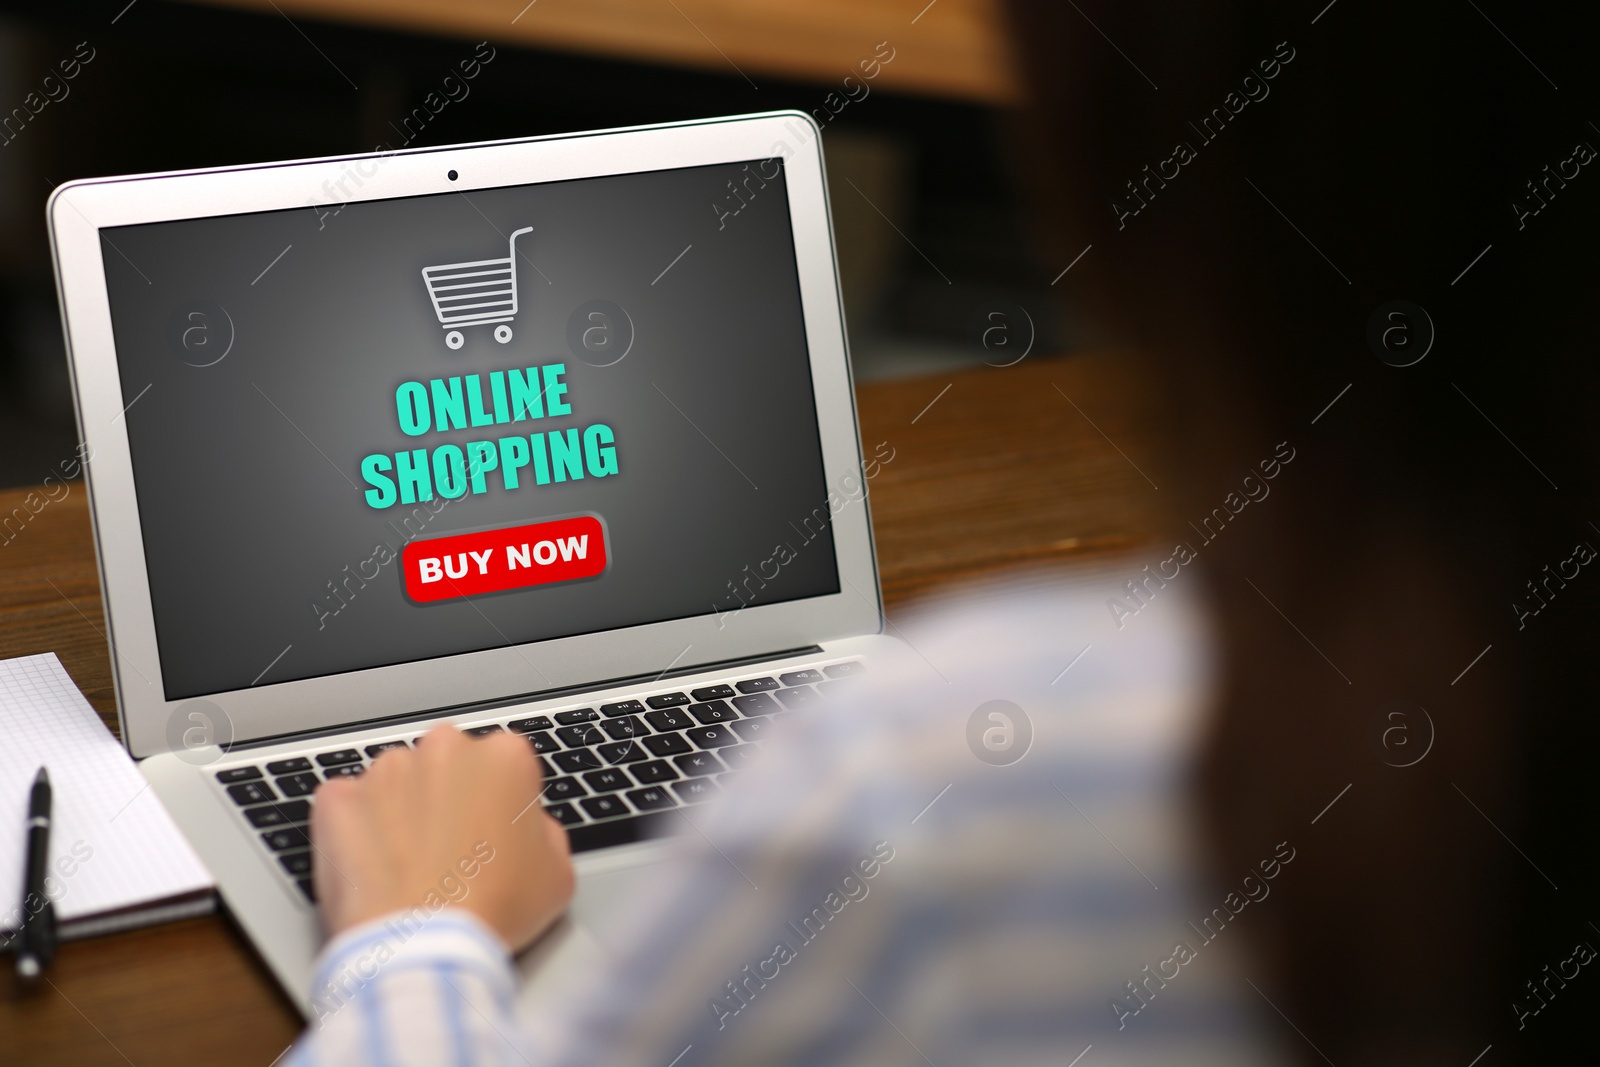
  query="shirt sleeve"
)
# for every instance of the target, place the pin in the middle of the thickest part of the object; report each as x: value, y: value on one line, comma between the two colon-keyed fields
x: 413, y: 987
x: 882, y: 887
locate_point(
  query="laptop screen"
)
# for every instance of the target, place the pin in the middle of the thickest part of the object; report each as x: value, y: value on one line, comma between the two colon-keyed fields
x: 404, y: 429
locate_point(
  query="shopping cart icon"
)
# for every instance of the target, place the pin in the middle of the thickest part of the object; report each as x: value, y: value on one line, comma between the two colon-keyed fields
x: 476, y: 293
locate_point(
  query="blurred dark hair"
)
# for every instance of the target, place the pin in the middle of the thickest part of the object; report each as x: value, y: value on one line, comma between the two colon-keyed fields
x: 1386, y: 160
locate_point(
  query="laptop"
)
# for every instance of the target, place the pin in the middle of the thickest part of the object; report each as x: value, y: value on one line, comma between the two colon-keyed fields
x: 553, y: 436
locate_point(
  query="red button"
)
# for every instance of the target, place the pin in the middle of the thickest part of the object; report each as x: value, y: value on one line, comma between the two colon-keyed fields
x: 514, y: 557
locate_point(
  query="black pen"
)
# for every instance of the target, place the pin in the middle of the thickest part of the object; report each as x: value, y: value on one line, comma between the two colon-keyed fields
x: 36, y: 941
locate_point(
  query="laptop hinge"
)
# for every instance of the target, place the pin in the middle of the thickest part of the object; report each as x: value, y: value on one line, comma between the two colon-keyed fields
x: 523, y: 698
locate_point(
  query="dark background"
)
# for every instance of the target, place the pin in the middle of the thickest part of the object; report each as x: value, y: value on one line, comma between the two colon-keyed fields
x: 182, y: 86
x: 249, y: 469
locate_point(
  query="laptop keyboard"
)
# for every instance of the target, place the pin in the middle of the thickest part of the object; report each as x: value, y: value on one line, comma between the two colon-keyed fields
x: 612, y: 772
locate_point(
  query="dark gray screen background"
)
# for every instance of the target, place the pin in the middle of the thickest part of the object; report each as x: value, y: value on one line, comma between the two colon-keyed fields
x: 248, y: 471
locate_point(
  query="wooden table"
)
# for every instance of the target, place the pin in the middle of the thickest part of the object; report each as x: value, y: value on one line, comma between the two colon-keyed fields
x: 991, y: 468
x: 951, y: 48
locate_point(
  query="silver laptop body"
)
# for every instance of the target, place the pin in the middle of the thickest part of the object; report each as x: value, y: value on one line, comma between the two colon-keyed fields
x: 552, y: 435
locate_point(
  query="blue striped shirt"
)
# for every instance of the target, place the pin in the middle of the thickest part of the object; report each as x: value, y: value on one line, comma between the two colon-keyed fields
x: 904, y: 878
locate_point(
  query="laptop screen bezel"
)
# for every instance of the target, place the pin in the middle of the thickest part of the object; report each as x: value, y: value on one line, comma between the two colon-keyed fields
x: 151, y: 724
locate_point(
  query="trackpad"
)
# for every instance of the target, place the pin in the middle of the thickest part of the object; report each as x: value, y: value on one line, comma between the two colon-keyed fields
x: 591, y: 931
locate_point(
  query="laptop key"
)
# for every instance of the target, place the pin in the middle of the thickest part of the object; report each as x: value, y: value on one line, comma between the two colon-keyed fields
x: 289, y: 811
x: 844, y: 670
x: 307, y: 888
x: 714, y: 692
x: 334, y: 759
x: 604, y: 807
x: 698, y: 763
x: 296, y: 862
x: 622, y: 752
x: 626, y: 726
x: 565, y: 814
x: 483, y: 731
x: 739, y: 756
x: 667, y: 700
x: 652, y: 799
x: 286, y: 837
x: 801, y: 696
x: 267, y: 816
x: 756, y: 704
x: 348, y: 770
x: 289, y: 766
x: 607, y: 781
x: 713, y: 711
x: 657, y: 770
x: 543, y: 742
x: 622, y: 707
x: 563, y: 789
x: 669, y: 720
x: 725, y: 780
x: 527, y: 726
x: 757, y: 685
x: 238, y: 774
x: 666, y: 744
x: 384, y: 746
x: 573, y: 718
x: 807, y: 677
x: 299, y: 785
x: 695, y: 790
x: 751, y: 729
x: 546, y: 772
x: 580, y: 736
x: 711, y: 736
x: 838, y: 688
x: 251, y: 793
x: 576, y: 761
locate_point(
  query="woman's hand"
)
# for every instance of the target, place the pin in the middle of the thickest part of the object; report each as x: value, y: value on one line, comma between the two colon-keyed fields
x: 455, y: 820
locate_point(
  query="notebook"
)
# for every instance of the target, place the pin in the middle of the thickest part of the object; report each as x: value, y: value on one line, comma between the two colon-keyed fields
x: 116, y: 859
